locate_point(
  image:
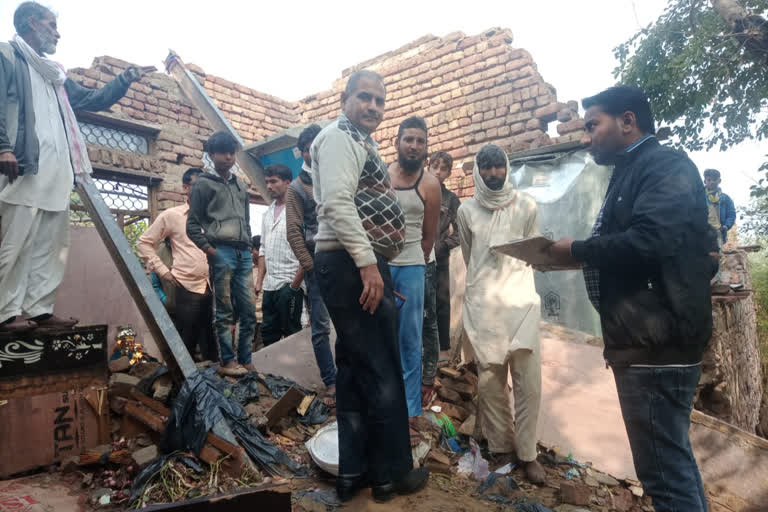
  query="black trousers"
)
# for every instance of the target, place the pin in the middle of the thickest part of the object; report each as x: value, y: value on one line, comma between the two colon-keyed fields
x: 194, y: 321
x: 370, y: 393
x: 444, y: 303
x: 281, y: 313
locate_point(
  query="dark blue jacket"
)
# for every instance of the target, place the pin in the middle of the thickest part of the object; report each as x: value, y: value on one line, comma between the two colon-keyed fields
x: 727, y: 214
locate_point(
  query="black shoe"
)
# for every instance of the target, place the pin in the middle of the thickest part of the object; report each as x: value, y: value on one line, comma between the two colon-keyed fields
x: 412, y: 482
x: 347, y: 488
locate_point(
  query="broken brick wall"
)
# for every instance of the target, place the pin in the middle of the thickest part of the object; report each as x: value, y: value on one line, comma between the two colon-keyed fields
x: 471, y: 90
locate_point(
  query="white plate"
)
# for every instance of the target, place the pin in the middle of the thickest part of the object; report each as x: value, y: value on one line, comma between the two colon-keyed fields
x: 323, y: 447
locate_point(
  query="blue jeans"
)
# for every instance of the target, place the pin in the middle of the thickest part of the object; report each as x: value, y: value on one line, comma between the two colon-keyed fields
x: 656, y: 405
x: 232, y: 277
x: 409, y: 282
x: 430, y: 337
x: 320, y: 324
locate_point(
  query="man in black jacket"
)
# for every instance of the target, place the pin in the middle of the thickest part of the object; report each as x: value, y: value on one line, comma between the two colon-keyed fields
x: 647, y: 269
x: 41, y: 153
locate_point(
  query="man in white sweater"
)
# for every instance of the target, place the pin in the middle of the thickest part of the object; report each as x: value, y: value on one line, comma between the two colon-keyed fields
x: 360, y: 228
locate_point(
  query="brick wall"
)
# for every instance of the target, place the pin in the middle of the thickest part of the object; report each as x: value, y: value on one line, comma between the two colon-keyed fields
x: 472, y: 90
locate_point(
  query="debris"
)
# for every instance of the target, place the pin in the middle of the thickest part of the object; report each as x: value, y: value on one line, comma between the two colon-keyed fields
x: 117, y: 404
x: 278, y: 386
x: 505, y: 469
x: 252, y: 409
x: 144, y: 456
x: 161, y: 388
x: 447, y: 371
x: 419, y: 452
x: 317, y: 413
x: 448, y: 394
x: 466, y: 391
x: 591, y: 481
x: 304, y: 405
x: 622, y: 500
x: 326, y: 497
x: 120, y: 364
x: 289, y: 401
x: 636, y: 490
x: 575, y: 493
x: 436, y: 409
x: 468, y: 427
x: 572, y: 473
x: 105, y: 499
x: 121, y: 384
x: 145, y: 386
x: 474, y: 463
x: 603, y: 478
x: 454, y: 411
x: 497, y: 482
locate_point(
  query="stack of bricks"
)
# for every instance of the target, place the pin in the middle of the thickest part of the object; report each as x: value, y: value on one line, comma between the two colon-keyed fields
x: 471, y: 90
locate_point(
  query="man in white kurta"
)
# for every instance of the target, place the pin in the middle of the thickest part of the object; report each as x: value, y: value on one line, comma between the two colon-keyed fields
x: 501, y: 310
x: 41, y: 152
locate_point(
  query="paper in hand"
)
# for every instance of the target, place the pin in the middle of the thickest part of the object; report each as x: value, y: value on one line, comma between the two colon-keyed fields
x: 534, y: 252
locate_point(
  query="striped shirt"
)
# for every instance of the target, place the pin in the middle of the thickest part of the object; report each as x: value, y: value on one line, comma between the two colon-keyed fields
x: 282, y: 265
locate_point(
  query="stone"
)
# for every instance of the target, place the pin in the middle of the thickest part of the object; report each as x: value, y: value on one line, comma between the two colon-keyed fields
x: 120, y: 364
x: 602, y: 478
x: 117, y: 404
x: 591, y: 481
x: 98, y: 493
x: 622, y: 500
x: 636, y: 490
x: 145, y: 456
x: 575, y: 493
x: 121, y: 384
x: 468, y: 427
x: 449, y: 395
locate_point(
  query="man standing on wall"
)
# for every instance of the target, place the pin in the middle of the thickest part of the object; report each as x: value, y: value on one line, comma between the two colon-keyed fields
x: 360, y: 227
x: 647, y: 269
x: 41, y: 152
x: 502, y: 310
x: 188, y: 274
x: 218, y: 223
x: 301, y: 228
x: 440, y: 165
x: 280, y: 274
x: 722, y: 214
x: 419, y: 196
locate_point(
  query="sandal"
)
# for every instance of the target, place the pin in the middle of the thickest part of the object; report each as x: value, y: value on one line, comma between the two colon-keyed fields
x: 330, y: 398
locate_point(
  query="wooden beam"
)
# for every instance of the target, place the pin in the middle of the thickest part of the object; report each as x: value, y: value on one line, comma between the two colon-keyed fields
x: 174, y: 352
x: 200, y: 99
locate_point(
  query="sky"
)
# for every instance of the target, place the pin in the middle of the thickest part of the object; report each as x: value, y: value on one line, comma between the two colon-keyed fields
x: 296, y: 48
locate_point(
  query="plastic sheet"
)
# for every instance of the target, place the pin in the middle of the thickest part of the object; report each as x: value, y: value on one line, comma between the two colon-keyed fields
x: 327, y: 497
x: 316, y: 414
x: 278, y: 386
x: 244, y: 390
x: 201, y: 404
x: 143, y: 478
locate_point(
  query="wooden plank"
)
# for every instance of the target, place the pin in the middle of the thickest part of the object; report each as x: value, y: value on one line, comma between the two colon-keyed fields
x: 731, y: 431
x: 153, y: 404
x: 288, y: 402
x: 146, y: 416
x: 98, y: 401
x: 200, y: 99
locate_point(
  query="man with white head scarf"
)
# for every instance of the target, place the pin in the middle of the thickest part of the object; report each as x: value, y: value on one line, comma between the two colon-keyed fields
x: 501, y: 310
x: 41, y: 152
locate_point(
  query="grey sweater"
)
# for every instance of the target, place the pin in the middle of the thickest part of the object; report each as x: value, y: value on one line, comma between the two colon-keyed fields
x: 219, y: 213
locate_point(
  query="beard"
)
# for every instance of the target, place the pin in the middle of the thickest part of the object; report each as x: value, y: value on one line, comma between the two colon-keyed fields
x: 494, y: 183
x: 410, y: 164
x: 47, y: 45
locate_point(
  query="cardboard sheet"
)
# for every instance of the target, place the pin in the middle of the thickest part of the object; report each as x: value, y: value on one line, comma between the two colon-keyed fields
x: 534, y: 252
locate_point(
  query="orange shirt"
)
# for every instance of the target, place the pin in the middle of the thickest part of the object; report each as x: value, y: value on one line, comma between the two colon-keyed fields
x: 190, y: 264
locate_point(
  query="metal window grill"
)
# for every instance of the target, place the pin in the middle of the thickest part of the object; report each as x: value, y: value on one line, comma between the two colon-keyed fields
x: 128, y: 202
x: 114, y: 138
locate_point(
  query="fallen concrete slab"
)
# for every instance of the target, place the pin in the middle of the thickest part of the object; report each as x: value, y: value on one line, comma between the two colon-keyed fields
x: 580, y: 414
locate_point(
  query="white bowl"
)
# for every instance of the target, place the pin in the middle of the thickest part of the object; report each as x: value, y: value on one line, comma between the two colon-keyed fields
x: 323, y: 447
